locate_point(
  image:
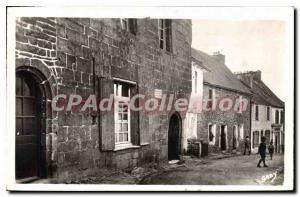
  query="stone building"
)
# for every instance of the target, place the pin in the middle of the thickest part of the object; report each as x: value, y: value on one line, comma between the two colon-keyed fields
x: 101, y: 57
x: 225, y: 119
x: 267, y: 112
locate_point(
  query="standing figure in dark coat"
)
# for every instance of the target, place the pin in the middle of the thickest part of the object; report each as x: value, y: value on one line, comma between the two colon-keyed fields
x: 262, y: 151
x: 271, y: 149
x: 247, y: 145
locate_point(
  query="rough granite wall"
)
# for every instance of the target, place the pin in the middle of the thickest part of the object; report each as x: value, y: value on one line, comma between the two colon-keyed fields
x: 63, y: 49
x: 229, y: 118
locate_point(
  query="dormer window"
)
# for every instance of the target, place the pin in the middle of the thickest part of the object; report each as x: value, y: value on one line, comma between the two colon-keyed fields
x: 165, y: 34
x: 129, y: 24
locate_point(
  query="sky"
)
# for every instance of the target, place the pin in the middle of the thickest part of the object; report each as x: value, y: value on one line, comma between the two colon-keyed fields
x: 247, y: 46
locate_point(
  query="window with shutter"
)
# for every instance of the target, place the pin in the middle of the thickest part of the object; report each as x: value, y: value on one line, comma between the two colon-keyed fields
x: 107, y: 141
x: 126, y: 120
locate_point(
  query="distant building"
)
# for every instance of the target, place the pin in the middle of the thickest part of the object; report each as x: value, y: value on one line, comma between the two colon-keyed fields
x: 267, y: 112
x: 223, y: 129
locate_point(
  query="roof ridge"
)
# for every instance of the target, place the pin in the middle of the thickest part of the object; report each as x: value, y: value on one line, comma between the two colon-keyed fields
x: 220, y: 74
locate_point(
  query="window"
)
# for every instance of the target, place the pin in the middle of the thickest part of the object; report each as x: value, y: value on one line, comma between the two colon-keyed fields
x: 281, y: 117
x: 122, y: 113
x: 241, y: 131
x: 165, y: 34
x: 211, y: 133
x: 268, y: 136
x: 277, y: 117
x: 255, y: 139
x: 211, y: 95
x: 240, y: 105
x: 268, y: 113
x: 256, y: 112
x: 129, y: 25
x: 196, y: 79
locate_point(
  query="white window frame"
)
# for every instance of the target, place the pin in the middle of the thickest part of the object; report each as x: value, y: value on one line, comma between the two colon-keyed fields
x: 119, y: 98
x: 214, y: 133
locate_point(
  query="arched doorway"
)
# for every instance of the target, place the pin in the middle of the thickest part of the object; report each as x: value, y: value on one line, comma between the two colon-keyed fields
x: 30, y: 127
x: 174, y: 137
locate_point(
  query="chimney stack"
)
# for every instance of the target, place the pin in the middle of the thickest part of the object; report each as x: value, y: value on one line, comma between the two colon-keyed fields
x: 218, y: 56
x: 257, y: 75
x: 249, y: 77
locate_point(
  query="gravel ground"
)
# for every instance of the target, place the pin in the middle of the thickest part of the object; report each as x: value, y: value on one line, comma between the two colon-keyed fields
x: 238, y: 170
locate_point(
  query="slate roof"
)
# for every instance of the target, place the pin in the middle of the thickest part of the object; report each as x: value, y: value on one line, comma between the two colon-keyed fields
x: 219, y: 74
x: 263, y: 95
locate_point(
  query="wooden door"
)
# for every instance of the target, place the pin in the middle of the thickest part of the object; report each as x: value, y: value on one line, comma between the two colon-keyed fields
x: 28, y: 105
x: 174, y: 138
x: 223, y: 138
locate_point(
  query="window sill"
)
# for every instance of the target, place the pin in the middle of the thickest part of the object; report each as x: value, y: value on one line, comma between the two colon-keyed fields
x: 145, y: 144
x: 125, y: 146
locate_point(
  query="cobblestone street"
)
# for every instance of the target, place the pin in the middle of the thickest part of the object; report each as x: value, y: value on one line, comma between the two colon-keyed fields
x: 227, y: 171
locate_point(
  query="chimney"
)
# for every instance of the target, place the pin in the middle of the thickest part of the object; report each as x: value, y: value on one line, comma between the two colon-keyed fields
x: 249, y: 76
x: 257, y: 75
x: 218, y: 56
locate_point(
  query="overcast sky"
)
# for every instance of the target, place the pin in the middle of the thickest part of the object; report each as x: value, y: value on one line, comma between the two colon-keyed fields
x: 247, y: 45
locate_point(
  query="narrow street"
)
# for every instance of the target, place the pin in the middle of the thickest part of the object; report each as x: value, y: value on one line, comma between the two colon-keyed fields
x: 227, y: 171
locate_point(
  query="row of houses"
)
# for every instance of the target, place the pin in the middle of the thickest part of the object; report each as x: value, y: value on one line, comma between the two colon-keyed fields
x: 125, y: 58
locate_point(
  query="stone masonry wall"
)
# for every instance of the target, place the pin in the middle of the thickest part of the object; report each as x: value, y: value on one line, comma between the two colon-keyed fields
x: 65, y: 48
x: 229, y: 118
x: 36, y: 51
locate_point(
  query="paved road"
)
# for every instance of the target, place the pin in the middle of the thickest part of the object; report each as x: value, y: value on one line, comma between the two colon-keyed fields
x: 239, y: 170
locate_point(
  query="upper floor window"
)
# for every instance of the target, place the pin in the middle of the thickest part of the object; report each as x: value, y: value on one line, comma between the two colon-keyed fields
x: 281, y: 117
x: 277, y: 117
x: 268, y: 113
x: 165, y: 34
x: 129, y: 24
x: 240, y: 104
x: 256, y: 112
x: 211, y: 98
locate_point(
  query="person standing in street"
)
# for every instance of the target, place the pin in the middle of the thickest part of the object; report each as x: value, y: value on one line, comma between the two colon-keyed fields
x: 271, y: 149
x: 247, y: 145
x: 262, y: 151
